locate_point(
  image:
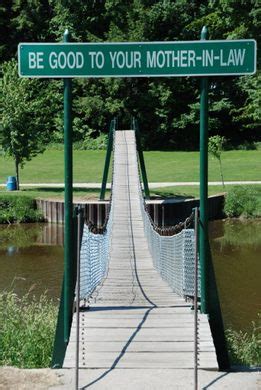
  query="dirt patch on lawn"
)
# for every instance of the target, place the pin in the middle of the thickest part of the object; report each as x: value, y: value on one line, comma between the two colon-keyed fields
x: 12, y: 378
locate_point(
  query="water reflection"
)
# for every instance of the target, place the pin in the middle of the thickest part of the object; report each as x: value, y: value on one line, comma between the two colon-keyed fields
x: 236, y: 248
x: 31, y: 257
x: 12, y: 250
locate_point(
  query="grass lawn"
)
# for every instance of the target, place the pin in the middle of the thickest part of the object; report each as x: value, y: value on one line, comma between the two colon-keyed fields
x: 186, y: 191
x: 161, y: 166
x: 48, y: 167
x: 56, y: 193
x: 184, y: 166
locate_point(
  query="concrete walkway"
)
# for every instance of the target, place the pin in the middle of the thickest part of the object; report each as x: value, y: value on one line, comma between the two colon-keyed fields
x: 158, y: 379
x: 12, y: 378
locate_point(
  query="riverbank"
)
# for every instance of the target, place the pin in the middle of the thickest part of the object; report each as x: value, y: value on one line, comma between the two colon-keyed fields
x: 18, y: 209
x: 167, y: 205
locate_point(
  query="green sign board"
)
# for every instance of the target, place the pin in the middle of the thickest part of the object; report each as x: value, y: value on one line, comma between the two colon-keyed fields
x: 134, y: 59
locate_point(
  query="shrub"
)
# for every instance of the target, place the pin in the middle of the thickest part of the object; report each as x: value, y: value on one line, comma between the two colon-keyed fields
x: 245, y: 347
x: 18, y: 209
x: 215, y: 147
x: 27, y: 328
x: 239, y: 201
x: 55, y: 146
x: 91, y: 143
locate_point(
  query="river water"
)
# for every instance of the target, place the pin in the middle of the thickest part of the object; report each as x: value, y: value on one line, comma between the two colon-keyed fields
x: 31, y: 258
x: 236, y: 252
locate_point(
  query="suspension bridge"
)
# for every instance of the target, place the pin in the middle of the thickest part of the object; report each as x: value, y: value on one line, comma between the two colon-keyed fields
x: 136, y: 282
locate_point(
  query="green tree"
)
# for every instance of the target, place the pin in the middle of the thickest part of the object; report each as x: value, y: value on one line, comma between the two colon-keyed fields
x: 5, y: 29
x: 27, y: 116
x: 234, y: 101
x: 249, y: 113
x: 215, y: 148
x: 167, y: 108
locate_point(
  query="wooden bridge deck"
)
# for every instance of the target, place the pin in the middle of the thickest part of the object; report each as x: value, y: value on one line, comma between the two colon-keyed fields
x: 135, y: 320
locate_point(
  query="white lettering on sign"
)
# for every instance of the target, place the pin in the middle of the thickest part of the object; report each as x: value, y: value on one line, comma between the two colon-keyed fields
x: 125, y: 59
x: 236, y: 57
x: 97, y: 59
x: 175, y: 58
x: 151, y: 59
x: 191, y: 58
x: 208, y: 57
x: 113, y: 57
x: 35, y: 60
x: 222, y: 62
x: 239, y: 56
x: 160, y: 59
x: 171, y: 59
x: 122, y: 60
x: 137, y: 59
x: 92, y: 54
x: 187, y: 58
x: 184, y: 58
x: 72, y: 60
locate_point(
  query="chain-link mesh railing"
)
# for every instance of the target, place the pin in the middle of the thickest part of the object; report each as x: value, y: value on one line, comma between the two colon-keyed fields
x: 173, y: 256
x: 94, y: 253
x: 94, y: 256
x: 173, y: 251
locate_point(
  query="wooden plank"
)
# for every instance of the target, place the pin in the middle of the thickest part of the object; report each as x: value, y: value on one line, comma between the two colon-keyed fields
x: 142, y: 346
x: 144, y: 360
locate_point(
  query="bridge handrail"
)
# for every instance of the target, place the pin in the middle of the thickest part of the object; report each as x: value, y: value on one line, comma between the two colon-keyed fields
x: 135, y: 127
x: 172, y: 250
x: 94, y: 253
x: 171, y: 230
x: 112, y: 129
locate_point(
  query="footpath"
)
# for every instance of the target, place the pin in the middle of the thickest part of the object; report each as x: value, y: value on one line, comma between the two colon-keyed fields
x: 151, y: 185
x: 136, y: 379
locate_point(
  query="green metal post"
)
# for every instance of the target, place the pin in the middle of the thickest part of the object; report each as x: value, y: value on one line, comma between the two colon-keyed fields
x: 141, y: 158
x: 210, y: 303
x: 107, y: 159
x: 68, y: 201
x: 203, y: 226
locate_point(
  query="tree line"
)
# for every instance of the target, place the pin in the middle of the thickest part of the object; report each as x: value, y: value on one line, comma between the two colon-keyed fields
x: 167, y: 108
